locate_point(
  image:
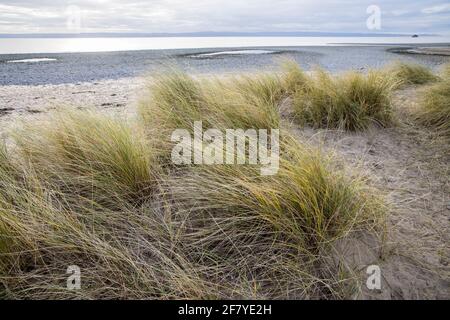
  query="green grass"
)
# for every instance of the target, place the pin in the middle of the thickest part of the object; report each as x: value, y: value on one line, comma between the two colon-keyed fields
x: 351, y: 101
x: 7, y: 178
x: 268, y: 234
x: 408, y: 73
x: 244, y: 102
x: 91, y: 155
x: 294, y: 78
x: 309, y: 201
x: 176, y: 100
x: 122, y: 254
x: 85, y: 199
x: 296, y: 216
x: 88, y: 190
x: 435, y: 108
x: 446, y: 71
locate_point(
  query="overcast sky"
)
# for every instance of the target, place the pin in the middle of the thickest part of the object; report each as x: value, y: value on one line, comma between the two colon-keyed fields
x: 51, y: 16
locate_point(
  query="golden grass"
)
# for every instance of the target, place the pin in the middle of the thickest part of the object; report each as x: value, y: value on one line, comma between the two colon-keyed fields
x: 87, y: 190
x: 294, y: 78
x: 244, y: 102
x: 76, y: 203
x: 351, y: 101
x: 94, y: 156
x: 279, y: 227
x: 435, y: 108
x: 310, y: 201
x: 446, y: 71
x: 176, y: 100
x: 268, y: 234
x: 125, y: 253
x: 409, y: 73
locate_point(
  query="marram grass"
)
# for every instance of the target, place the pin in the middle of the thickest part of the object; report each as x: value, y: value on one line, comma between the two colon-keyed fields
x: 122, y: 254
x: 284, y: 223
x: 445, y: 72
x: 293, y: 77
x: 176, y: 100
x: 435, y: 108
x: 92, y: 191
x: 92, y: 155
x: 409, y: 73
x: 350, y: 101
x: 309, y: 201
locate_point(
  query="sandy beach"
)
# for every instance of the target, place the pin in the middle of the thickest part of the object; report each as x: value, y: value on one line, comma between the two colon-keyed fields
x: 109, y: 96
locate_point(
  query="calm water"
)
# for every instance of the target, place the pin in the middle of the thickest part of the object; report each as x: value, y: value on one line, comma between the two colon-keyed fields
x: 54, y: 61
x: 62, y: 45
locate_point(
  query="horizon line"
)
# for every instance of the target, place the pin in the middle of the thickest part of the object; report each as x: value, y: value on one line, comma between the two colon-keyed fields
x: 212, y: 33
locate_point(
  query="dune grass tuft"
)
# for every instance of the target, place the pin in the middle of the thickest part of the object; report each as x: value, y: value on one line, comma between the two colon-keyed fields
x: 244, y: 102
x: 122, y: 254
x: 435, y: 108
x: 351, y: 101
x: 176, y: 100
x: 5, y: 163
x: 296, y: 216
x: 87, y: 190
x: 270, y: 235
x: 308, y: 201
x: 446, y: 71
x: 408, y: 73
x: 78, y: 192
x: 294, y: 78
x: 93, y: 155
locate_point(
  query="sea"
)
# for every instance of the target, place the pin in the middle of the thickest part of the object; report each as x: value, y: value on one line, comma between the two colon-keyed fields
x: 37, y: 61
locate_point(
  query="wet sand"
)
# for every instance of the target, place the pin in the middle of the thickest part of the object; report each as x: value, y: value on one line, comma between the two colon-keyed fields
x: 439, y: 51
x: 94, y: 67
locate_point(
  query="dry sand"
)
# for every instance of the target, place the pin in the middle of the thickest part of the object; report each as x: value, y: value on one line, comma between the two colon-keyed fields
x: 405, y: 163
x: 18, y: 103
x: 412, y: 169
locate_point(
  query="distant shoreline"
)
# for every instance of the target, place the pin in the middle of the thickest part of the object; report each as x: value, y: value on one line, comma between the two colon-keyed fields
x: 435, y: 50
x: 208, y: 34
x: 83, y: 43
x: 66, y: 68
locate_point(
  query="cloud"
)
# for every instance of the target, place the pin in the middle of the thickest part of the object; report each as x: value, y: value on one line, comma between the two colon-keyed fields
x: 437, y: 9
x: 400, y: 12
x: 409, y: 16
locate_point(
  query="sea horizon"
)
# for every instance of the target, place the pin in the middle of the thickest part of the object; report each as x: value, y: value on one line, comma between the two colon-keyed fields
x: 38, y: 44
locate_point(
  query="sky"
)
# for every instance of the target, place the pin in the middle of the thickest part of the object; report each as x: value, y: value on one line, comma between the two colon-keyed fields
x: 177, y: 16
